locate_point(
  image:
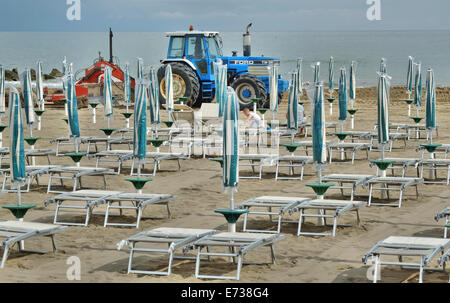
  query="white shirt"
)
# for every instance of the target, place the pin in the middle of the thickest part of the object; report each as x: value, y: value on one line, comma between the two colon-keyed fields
x: 255, y: 121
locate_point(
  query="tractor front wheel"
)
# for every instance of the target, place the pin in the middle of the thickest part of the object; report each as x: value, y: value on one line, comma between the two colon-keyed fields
x: 247, y: 87
x: 185, y: 83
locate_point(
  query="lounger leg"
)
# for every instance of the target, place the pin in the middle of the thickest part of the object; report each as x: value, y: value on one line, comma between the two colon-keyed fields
x: 400, y: 199
x: 53, y: 243
x: 279, y: 223
x: 370, y: 194
x: 421, y: 271
x: 88, y: 213
x: 104, y: 181
x: 276, y: 170
x: 334, y: 226
x: 272, y: 253
x: 169, y: 269
x: 358, y: 219
x: 239, y: 266
x: 5, y: 256
x: 244, y: 227
x: 139, y: 217
x: 130, y: 260
x: 106, y: 214
x: 375, y: 270
x: 197, y: 262
x: 300, y: 221
x: 169, y: 213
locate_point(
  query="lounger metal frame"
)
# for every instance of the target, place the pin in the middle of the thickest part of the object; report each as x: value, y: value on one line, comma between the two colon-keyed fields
x: 403, y: 182
x: 293, y: 162
x: 256, y: 160
x: 345, y: 147
x: 397, y: 248
x: 238, y: 245
x: 445, y: 213
x: 353, y: 179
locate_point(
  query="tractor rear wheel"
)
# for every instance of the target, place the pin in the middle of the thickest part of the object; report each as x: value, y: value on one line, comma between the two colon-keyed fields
x: 185, y: 83
x: 248, y: 86
x: 267, y: 101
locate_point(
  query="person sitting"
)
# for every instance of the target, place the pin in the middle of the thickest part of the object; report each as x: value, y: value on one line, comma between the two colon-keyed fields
x: 253, y: 118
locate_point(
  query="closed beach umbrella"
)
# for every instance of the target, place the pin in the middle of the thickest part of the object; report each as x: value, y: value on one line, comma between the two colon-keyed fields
x: 107, y: 93
x: 318, y: 131
x: 140, y: 124
x: 352, y: 91
x: 292, y: 113
x: 127, y: 86
x: 16, y: 143
x: 409, y: 76
x: 169, y: 87
x: 230, y: 176
x: 216, y: 66
x: 431, y: 103
x: 154, y: 98
x: 383, y: 68
x: 316, y: 72
x: 27, y: 93
x: 140, y: 69
x: 383, y: 111
x: 273, y: 88
x: 223, y: 88
x: 300, y: 76
x: 2, y: 91
x: 418, y: 88
x: 72, y: 108
x: 331, y: 75
x: 343, y: 96
x: 39, y: 86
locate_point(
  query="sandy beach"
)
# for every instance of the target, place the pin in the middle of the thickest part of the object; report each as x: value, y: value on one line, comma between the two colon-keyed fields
x: 199, y: 190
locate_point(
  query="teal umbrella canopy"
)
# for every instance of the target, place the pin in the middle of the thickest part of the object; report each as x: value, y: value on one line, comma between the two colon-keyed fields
x: 292, y: 113
x: 155, y: 117
x: 107, y: 91
x: 318, y: 124
x: 16, y: 142
x: 169, y: 87
x: 331, y: 74
x: 230, y: 176
x: 352, y: 83
x: 409, y: 75
x: 431, y: 101
x: 72, y: 108
x: 316, y: 72
x: 418, y: 87
x: 300, y: 76
x: 2, y: 90
x: 383, y: 109
x: 343, y: 95
x: 140, y: 122
x: 27, y: 93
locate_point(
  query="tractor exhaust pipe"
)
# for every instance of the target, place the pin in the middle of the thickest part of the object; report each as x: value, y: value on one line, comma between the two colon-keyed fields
x: 247, y: 42
x: 110, y: 46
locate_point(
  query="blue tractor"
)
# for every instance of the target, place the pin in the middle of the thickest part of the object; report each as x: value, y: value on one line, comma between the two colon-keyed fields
x: 191, y: 55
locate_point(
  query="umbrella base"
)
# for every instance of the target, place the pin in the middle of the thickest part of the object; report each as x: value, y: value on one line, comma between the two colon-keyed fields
x: 231, y: 215
x: 382, y: 164
x: 320, y: 188
x: 431, y: 147
x: 19, y: 211
x: 108, y: 131
x: 138, y: 183
x: 169, y: 123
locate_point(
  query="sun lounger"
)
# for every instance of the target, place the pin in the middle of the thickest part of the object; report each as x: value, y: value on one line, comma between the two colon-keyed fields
x: 292, y: 162
x: 75, y: 173
x: 174, y: 238
x: 419, y: 129
x: 14, y: 232
x: 346, y: 147
x: 272, y: 206
x: 31, y: 171
x: 424, y: 248
x: 112, y: 156
x: 443, y: 149
x: 156, y: 158
x: 402, y: 164
x: 237, y: 244
x: 60, y: 141
x: 433, y: 166
x: 321, y: 206
x: 29, y: 153
x: 392, y: 138
x: 354, y: 180
x: 256, y: 160
x: 392, y: 184
x: 86, y: 200
x: 445, y: 213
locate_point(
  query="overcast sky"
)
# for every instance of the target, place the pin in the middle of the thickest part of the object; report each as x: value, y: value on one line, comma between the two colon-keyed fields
x: 223, y: 15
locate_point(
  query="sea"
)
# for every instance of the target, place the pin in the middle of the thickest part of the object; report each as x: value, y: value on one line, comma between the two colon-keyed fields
x: 432, y: 48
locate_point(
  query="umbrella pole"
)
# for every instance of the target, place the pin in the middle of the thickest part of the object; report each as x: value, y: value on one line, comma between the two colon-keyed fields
x: 94, y: 120
x: 232, y: 226
x: 33, y: 159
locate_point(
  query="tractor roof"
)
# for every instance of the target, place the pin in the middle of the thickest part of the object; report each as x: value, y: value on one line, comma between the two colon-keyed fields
x: 184, y: 33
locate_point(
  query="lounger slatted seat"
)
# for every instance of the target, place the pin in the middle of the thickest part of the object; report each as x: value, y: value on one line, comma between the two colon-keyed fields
x: 424, y: 248
x: 433, y: 166
x: 86, y: 200
x: 256, y: 160
x: 29, y: 153
x: 156, y: 158
x: 14, y: 232
x: 292, y: 163
x: 238, y: 245
x: 75, y: 173
x: 354, y: 180
x: 321, y: 206
x: 112, y: 156
x: 445, y: 213
x: 60, y: 141
x: 175, y: 238
x: 346, y: 147
x: 392, y: 184
x: 392, y: 138
x: 272, y: 206
x: 31, y: 171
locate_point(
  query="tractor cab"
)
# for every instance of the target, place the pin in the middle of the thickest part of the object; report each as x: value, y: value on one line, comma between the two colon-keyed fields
x: 191, y: 55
